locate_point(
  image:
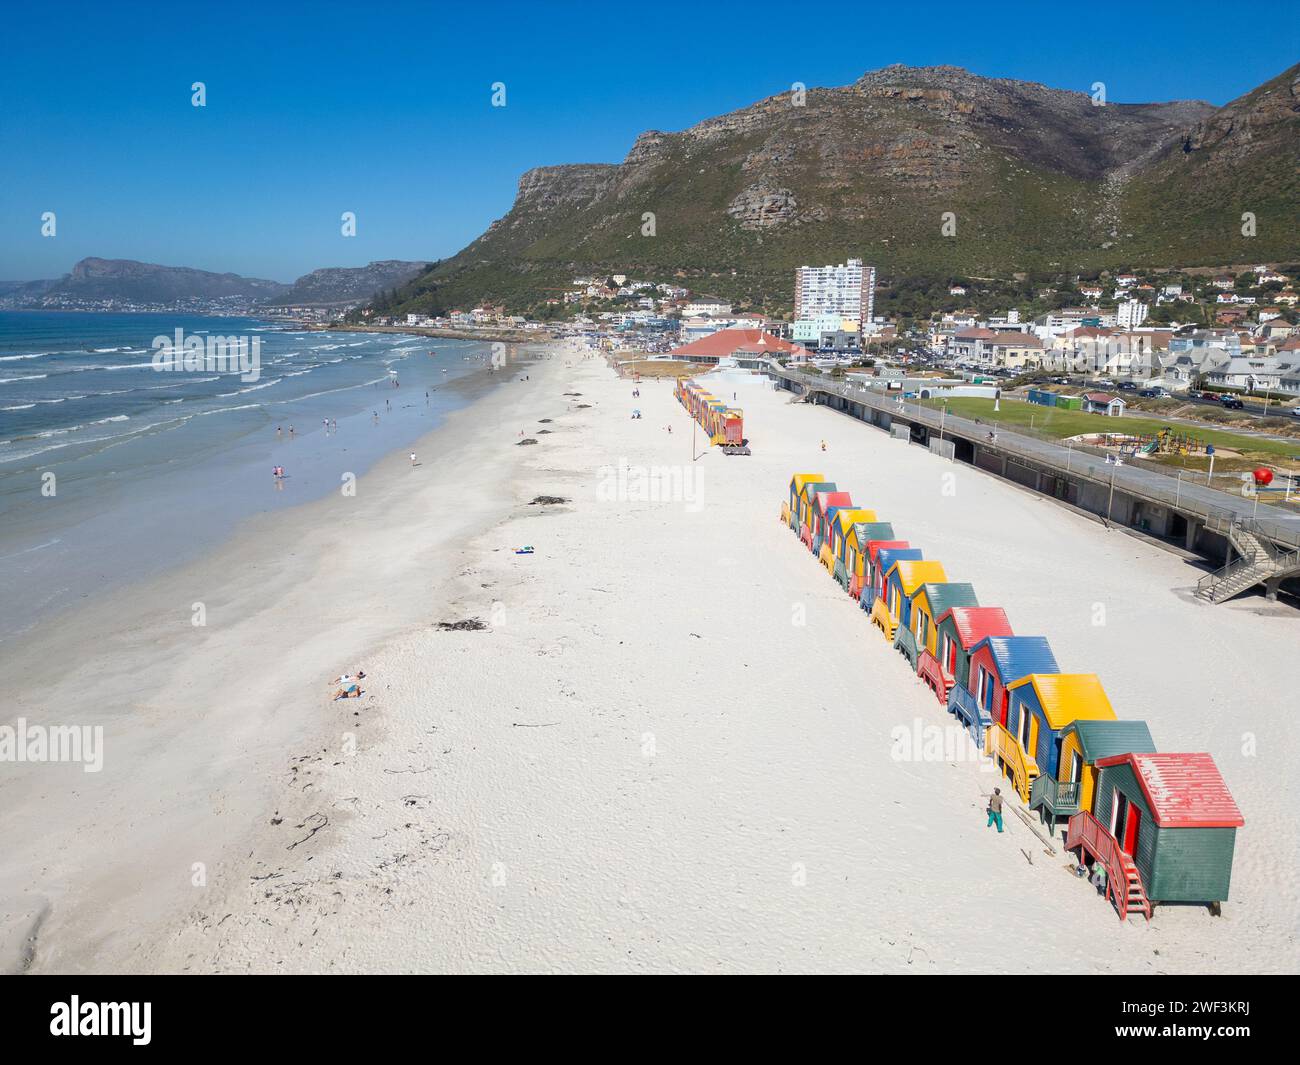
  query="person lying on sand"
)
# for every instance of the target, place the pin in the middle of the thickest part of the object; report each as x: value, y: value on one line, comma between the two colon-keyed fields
x: 349, y: 691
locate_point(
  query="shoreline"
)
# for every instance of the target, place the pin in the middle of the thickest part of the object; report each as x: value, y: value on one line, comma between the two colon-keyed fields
x: 196, y: 718
x: 505, y: 336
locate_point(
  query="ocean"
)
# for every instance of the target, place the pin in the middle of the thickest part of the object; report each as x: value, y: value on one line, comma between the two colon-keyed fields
x: 111, y: 469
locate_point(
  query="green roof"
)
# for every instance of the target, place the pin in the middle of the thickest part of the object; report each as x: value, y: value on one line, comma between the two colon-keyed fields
x: 867, y: 531
x: 1102, y: 739
x: 942, y: 597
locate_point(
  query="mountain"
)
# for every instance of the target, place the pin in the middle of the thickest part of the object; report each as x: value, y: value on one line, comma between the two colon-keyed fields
x: 135, y: 282
x: 344, y: 285
x: 1035, y: 179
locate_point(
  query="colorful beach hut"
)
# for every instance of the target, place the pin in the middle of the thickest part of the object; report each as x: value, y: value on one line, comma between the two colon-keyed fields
x: 846, y: 519
x: 958, y: 630
x: 806, y: 503
x: 822, y: 504
x: 1039, y: 706
x: 883, y: 557
x: 1164, y: 826
x: 995, y: 662
x: 1084, y: 743
x: 873, y: 584
x: 863, y: 535
x: 902, y: 580
x: 797, y: 483
x: 929, y: 600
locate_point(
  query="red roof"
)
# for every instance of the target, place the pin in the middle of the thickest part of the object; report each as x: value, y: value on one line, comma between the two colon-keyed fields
x: 973, y: 623
x: 875, y: 545
x: 1183, y: 790
x: 728, y: 341
x: 826, y: 500
x: 1099, y: 397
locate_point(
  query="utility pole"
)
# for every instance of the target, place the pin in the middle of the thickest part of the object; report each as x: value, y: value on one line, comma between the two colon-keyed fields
x: 1111, y: 501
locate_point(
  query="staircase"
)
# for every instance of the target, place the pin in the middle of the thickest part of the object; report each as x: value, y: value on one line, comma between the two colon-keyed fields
x: 962, y: 704
x: 1005, y: 748
x: 929, y: 670
x: 1123, y: 881
x: 883, y: 619
x: 905, y: 642
x: 1260, y: 562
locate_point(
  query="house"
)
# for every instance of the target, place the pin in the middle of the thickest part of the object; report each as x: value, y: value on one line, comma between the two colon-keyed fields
x: 902, y: 581
x: 1083, y: 743
x: 930, y: 601
x: 998, y: 661
x: 1164, y: 826
x: 797, y: 483
x: 725, y: 343
x: 881, y: 554
x: 1247, y: 374
x: 958, y: 630
x: 1103, y: 403
x: 1039, y: 707
x: 883, y: 562
x: 864, y: 534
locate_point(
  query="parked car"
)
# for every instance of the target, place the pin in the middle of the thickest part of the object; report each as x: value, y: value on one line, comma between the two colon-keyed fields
x: 1126, y: 386
x: 1231, y: 403
x: 1296, y: 411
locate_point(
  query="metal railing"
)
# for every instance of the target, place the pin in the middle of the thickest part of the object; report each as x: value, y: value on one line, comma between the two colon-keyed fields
x: 1258, y: 560
x: 1217, y: 510
x: 1061, y: 797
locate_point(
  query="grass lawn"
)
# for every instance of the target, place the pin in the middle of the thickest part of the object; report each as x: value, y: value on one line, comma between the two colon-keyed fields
x: 1053, y: 421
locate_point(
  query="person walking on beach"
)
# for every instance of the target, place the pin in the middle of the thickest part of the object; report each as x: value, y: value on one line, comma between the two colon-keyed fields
x: 412, y: 460
x: 995, y: 809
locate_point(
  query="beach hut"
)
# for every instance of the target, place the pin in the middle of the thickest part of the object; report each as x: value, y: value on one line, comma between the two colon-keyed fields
x: 804, y: 510
x: 881, y: 556
x: 995, y: 662
x: 845, y: 519
x: 863, y: 534
x: 822, y: 503
x: 1083, y: 744
x: 1044, y: 397
x: 1164, y: 826
x: 902, y: 579
x: 796, y: 489
x: 1039, y: 706
x: 931, y: 601
x: 957, y: 631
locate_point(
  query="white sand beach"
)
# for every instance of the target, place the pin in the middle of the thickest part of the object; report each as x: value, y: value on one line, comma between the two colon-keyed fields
x: 670, y: 749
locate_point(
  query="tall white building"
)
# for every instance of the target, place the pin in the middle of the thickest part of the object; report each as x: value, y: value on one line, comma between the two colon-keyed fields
x: 1130, y: 314
x: 847, y: 290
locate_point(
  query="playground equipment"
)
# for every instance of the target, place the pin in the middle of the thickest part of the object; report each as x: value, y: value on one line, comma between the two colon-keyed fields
x: 1164, y: 442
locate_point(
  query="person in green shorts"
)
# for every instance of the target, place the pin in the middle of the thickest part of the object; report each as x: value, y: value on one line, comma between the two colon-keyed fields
x: 995, y: 809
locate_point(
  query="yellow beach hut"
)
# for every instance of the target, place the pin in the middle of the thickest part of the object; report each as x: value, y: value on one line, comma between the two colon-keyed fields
x: 1039, y: 707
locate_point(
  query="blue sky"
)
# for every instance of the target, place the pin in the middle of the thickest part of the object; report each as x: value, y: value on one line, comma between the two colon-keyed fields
x: 384, y: 109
